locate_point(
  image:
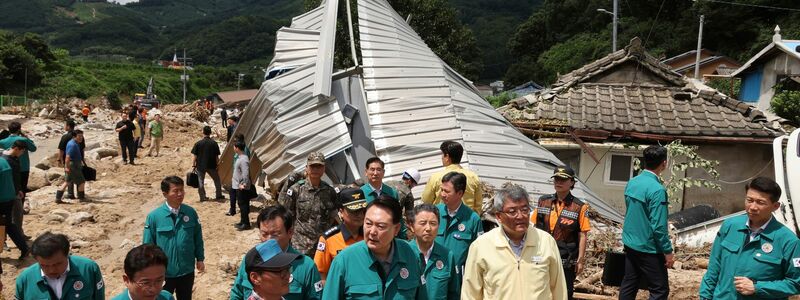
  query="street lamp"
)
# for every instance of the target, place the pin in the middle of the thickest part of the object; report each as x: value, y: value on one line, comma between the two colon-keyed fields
x: 614, y: 30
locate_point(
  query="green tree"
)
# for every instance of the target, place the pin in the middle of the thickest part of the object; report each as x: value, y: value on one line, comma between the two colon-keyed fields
x: 786, y: 104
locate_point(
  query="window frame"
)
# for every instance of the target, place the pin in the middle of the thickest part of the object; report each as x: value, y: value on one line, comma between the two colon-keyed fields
x: 607, y: 170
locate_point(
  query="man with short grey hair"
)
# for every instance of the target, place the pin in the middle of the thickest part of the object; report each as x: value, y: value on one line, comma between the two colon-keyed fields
x: 502, y: 259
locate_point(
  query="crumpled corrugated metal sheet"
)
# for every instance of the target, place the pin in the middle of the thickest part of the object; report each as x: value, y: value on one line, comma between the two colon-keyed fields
x: 404, y: 80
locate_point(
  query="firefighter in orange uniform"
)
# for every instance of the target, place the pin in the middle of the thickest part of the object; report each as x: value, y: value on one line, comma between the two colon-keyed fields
x: 565, y: 217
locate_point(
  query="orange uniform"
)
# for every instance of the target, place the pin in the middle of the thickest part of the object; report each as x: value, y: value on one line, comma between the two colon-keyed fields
x: 330, y: 244
x: 555, y: 212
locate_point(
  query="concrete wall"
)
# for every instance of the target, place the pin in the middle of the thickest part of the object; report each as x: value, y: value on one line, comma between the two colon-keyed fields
x: 737, y: 163
x: 780, y: 64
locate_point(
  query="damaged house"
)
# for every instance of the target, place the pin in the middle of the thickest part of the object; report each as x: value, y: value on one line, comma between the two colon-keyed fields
x: 600, y: 117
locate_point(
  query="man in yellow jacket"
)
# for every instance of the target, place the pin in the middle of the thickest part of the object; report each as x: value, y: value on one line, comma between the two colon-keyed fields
x: 451, y: 160
x: 515, y: 260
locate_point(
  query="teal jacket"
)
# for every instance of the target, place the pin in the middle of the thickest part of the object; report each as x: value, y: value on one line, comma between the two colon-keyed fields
x: 164, y: 295
x: 771, y: 260
x: 645, y: 227
x: 84, y: 281
x: 181, y: 237
x: 7, y: 190
x: 371, y: 196
x: 458, y: 233
x: 354, y: 275
x: 24, y: 160
x: 305, y: 282
x: 441, y: 280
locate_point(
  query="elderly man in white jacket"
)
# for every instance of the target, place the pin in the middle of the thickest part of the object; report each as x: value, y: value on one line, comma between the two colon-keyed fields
x: 515, y: 260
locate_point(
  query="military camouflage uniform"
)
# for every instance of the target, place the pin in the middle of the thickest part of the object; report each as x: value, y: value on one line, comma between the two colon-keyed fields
x: 404, y: 194
x: 315, y: 210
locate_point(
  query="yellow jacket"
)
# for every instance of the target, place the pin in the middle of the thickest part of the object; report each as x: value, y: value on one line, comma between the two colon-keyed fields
x: 473, y: 196
x: 493, y: 271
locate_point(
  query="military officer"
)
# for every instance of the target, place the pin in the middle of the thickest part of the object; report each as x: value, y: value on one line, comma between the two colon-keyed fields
x: 566, y: 218
x: 439, y: 266
x: 175, y: 228
x: 313, y: 202
x: 381, y: 266
x: 334, y: 240
x: 403, y: 187
x: 754, y: 256
x: 277, y: 223
x: 57, y: 274
x: 460, y: 225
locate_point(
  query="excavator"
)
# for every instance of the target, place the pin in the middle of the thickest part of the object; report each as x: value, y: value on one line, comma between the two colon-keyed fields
x: 148, y: 100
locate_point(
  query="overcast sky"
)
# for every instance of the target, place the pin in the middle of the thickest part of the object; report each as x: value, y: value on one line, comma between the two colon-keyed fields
x: 123, y: 1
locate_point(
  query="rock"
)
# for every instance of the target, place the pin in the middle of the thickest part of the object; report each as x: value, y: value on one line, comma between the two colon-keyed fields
x: 127, y: 244
x: 43, y: 113
x: 78, y: 244
x: 80, y: 217
x: 60, y: 212
x: 106, y: 152
x: 53, y: 219
x: 677, y: 265
x: 54, y: 174
x: 48, y: 162
x: 92, y: 146
x: 37, y: 179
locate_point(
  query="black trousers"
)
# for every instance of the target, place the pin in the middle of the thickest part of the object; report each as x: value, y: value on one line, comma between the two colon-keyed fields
x: 569, y: 276
x: 180, y: 286
x: 232, y: 200
x: 14, y: 231
x: 242, y: 198
x: 651, y: 268
x: 128, y: 149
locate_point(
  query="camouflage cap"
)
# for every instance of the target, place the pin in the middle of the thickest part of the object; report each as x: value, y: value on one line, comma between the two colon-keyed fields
x: 316, y: 158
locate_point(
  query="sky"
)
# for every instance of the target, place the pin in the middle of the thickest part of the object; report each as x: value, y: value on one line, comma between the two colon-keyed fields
x: 123, y: 1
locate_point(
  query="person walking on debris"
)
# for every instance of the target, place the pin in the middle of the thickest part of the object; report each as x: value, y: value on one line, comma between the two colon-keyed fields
x: 85, y: 111
x: 352, y: 206
x: 408, y: 181
x: 313, y: 202
x: 12, y: 156
x: 8, y: 196
x: 754, y: 256
x: 69, y: 126
x: 223, y: 113
x: 269, y: 271
x: 452, y: 152
x: 460, y: 225
x: 142, y: 122
x: 379, y: 267
x: 232, y: 122
x: 240, y: 187
x: 648, y: 249
x: 205, y: 158
x: 73, y: 167
x: 275, y: 223
x: 15, y: 130
x: 57, y: 274
x: 515, y: 260
x: 137, y: 130
x: 439, y: 265
x: 127, y: 147
x: 175, y: 227
x: 156, y: 129
x: 145, y: 267
x: 566, y: 218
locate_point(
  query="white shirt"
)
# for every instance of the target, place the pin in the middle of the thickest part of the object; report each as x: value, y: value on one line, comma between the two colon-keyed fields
x: 377, y: 190
x: 452, y: 213
x: 173, y: 210
x: 427, y: 254
x: 57, y: 284
x: 754, y: 233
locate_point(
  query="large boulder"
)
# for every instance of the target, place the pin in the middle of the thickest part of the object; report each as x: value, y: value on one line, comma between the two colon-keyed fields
x: 104, y: 152
x: 54, y: 174
x: 48, y: 162
x: 37, y: 179
x: 80, y: 217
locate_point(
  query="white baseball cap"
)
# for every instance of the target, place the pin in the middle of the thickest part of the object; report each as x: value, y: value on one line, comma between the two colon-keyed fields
x: 412, y: 174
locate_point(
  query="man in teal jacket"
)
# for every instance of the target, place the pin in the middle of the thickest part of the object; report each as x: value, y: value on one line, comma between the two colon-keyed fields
x: 57, y: 274
x: 380, y: 266
x: 277, y: 223
x: 648, y: 250
x: 754, y: 256
x: 145, y: 268
x: 15, y: 128
x: 175, y: 228
x: 459, y: 224
x: 438, y: 265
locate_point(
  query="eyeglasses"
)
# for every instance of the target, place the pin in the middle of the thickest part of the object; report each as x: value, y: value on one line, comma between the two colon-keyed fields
x: 516, y: 211
x: 282, y: 273
x: 146, y: 284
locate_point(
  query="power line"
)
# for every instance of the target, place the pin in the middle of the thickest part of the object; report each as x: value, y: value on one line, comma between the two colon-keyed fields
x: 750, y: 5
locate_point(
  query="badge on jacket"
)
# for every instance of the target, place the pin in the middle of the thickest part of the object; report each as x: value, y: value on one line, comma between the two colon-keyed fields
x: 766, y: 247
x: 404, y: 273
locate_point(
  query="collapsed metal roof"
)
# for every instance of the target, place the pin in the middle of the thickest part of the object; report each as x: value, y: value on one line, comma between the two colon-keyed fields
x: 400, y: 103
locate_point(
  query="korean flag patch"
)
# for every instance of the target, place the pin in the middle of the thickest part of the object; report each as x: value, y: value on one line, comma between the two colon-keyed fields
x: 321, y: 246
x: 796, y: 262
x: 318, y: 286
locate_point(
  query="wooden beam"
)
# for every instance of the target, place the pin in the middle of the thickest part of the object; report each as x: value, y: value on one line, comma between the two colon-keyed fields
x: 584, y: 147
x: 592, y: 296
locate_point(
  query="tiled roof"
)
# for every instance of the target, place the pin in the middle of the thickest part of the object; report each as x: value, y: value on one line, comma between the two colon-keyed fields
x: 680, y: 108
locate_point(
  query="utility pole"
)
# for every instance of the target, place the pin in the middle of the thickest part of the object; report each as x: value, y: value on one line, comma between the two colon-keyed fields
x: 184, y: 78
x: 239, y: 80
x: 699, y: 45
x: 25, y: 95
x: 614, y: 31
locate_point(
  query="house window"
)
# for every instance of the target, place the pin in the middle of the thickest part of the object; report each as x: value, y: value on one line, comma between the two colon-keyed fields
x: 619, y: 168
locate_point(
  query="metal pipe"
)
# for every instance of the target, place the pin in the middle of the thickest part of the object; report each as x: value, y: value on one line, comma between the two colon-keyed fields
x: 352, y: 36
x: 614, y: 31
x: 699, y: 45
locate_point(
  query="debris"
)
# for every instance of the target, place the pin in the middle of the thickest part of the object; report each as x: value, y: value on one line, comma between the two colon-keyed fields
x: 37, y: 179
x: 80, y: 217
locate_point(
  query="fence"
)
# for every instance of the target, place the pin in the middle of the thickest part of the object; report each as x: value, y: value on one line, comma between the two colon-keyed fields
x: 9, y: 100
